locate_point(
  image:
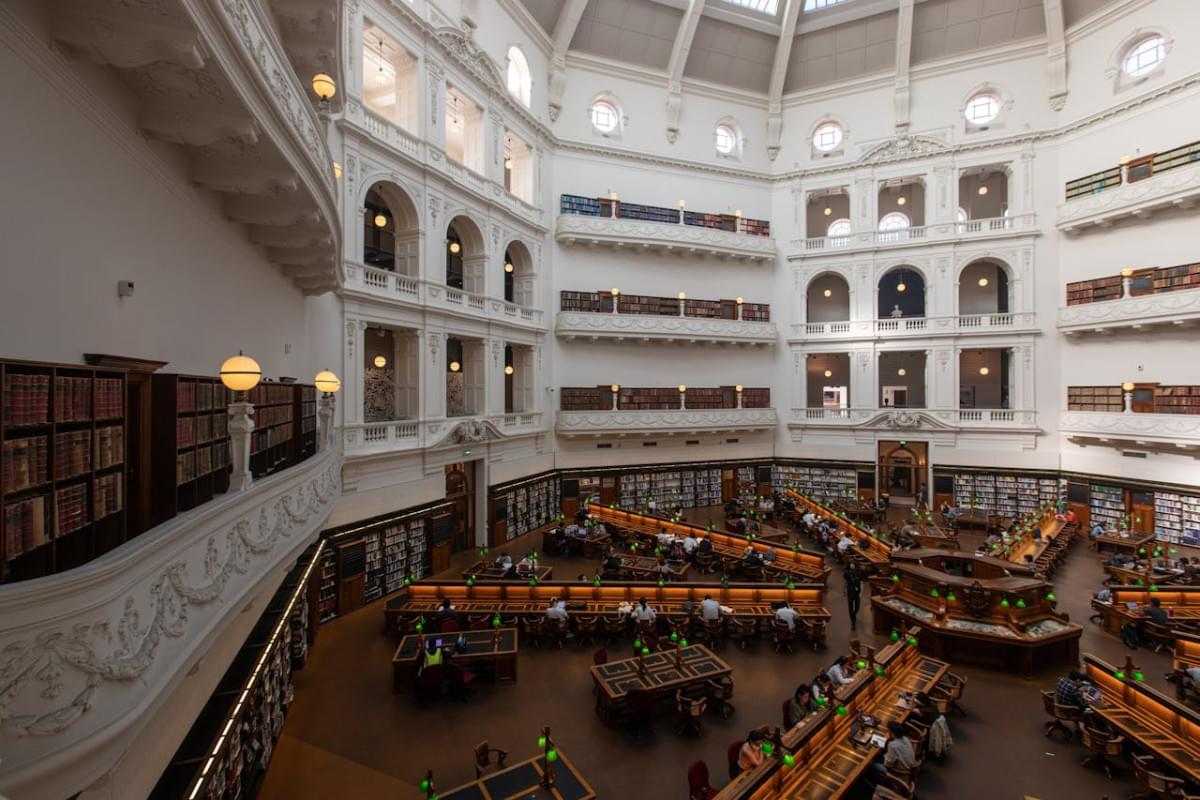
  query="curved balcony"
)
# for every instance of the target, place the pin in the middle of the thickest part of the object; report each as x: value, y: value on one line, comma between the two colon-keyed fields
x: 647, y: 327
x: 370, y: 439
x: 941, y: 424
x: 968, y: 231
x: 1172, y: 309
x: 93, y: 655
x: 1178, y: 433
x: 962, y: 325
x: 658, y: 237
x: 1161, y: 181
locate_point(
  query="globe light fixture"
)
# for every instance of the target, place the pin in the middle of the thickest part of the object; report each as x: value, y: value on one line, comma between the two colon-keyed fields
x: 455, y: 366
x: 828, y: 211
x: 901, y: 200
x: 984, y: 370
x: 902, y: 372
x: 615, y: 292
x: 508, y: 267
x: 828, y: 292
x: 380, y: 219
x: 828, y: 373
x: 613, y: 196
x: 682, y: 388
x: 323, y: 86
x: 508, y: 163
x: 1127, y: 386
x: 1125, y: 159
x: 1127, y: 272
x: 738, y: 213
x: 738, y: 301
x: 381, y: 361
x: 455, y: 248
x: 738, y: 388
x: 983, y: 281
x: 983, y: 190
x: 508, y: 369
x: 900, y: 287
x: 240, y: 373
x: 614, y: 388
x: 682, y: 204
x: 327, y: 382
x: 683, y: 295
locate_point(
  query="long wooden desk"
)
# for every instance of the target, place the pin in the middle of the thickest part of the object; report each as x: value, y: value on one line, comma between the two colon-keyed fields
x: 1182, y: 604
x: 801, y: 565
x: 1050, y: 528
x: 657, y: 673
x: 1169, y: 730
x: 488, y: 571
x: 591, y: 545
x: 765, y: 532
x: 1187, y: 650
x: 827, y: 762
x: 931, y: 536
x: 1007, y: 622
x: 645, y: 568
x: 873, y: 554
x: 859, y: 511
x: 978, y: 519
x: 1135, y: 543
x: 496, y: 650
x: 523, y: 780
x: 1144, y: 576
x: 754, y: 600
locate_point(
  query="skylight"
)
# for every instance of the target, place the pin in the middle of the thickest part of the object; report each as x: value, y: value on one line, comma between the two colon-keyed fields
x: 817, y: 5
x: 761, y: 6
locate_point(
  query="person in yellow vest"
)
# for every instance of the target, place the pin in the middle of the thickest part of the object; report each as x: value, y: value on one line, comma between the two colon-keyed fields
x: 433, y: 655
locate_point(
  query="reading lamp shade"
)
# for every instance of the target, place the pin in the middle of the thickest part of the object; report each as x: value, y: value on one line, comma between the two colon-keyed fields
x: 240, y: 373
x: 327, y: 382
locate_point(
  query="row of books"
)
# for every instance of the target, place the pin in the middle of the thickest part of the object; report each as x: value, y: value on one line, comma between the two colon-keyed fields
x: 597, y: 207
x: 200, y: 462
x: 823, y: 483
x: 1008, y: 495
x: 1107, y: 506
x: 532, y: 505
x: 110, y: 446
x: 683, y: 488
x: 108, y: 496
x: 327, y: 587
x: 272, y: 415
x: 110, y: 398
x: 72, y: 399
x: 71, y: 508
x: 1095, y: 398
x: 72, y: 454
x: 24, y: 463
x: 200, y: 395
x: 271, y: 437
x: 373, y: 571
x: 268, y: 394
x: 26, y: 399
x: 24, y: 526
x: 1177, y: 399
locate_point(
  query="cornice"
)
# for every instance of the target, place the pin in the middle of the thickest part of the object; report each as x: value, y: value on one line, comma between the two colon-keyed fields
x: 1165, y: 308
x: 570, y: 423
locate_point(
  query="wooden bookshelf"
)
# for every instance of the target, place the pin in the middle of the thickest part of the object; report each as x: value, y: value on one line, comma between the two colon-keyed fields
x: 190, y: 454
x: 648, y: 399
x: 580, y: 301
x: 1177, y: 399
x: 585, y: 398
x: 635, y: 398
x: 272, y: 444
x: 756, y: 398
x: 1173, y: 279
x: 305, y: 399
x: 1094, y: 291
x: 1094, y: 184
x: 602, y: 302
x: 62, y: 440
x: 1095, y: 398
x: 604, y: 207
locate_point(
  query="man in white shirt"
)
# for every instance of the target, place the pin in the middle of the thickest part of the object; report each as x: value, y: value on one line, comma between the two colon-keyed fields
x: 786, y: 613
x: 710, y: 610
x: 643, y: 612
x: 557, y: 610
x: 600, y: 529
x: 665, y: 539
x: 837, y: 673
x: 689, y: 544
x: 809, y: 518
x: 505, y: 560
x: 844, y: 544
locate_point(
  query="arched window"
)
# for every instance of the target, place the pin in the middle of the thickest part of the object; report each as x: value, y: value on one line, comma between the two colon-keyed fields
x: 1144, y: 57
x: 982, y: 108
x: 828, y: 137
x: 838, y: 233
x: 606, y: 118
x: 893, y: 227
x: 520, y: 83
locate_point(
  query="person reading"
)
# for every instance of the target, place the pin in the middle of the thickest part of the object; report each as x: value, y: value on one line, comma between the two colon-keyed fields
x: 642, y: 612
x: 785, y: 613
x: 710, y: 610
x: 751, y: 754
x: 838, y: 672
x: 801, y: 705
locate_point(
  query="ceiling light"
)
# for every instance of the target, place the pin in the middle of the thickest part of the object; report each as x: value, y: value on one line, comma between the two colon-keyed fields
x: 902, y: 372
x: 901, y: 201
x: 455, y: 366
x: 828, y: 292
x: 324, y: 86
x: 983, y: 281
x: 508, y: 163
x: 508, y: 267
x: 381, y: 361
x: 900, y: 287
x: 508, y: 369
x: 682, y: 388
x: 828, y: 211
x: 828, y: 373
x: 683, y: 295
x: 984, y: 370
x: 455, y: 248
x: 982, y: 191
x: 380, y: 219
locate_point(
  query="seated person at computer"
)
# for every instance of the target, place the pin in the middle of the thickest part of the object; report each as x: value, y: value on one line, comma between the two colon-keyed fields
x: 445, y: 614
x: 801, y: 705
x: 643, y: 612
x: 839, y: 672
x: 751, y: 557
x: 505, y: 562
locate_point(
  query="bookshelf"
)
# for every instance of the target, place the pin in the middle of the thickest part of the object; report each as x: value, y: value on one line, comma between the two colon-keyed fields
x: 1093, y: 184
x: 327, y: 586
x: 1107, y: 506
x: 1173, y: 279
x: 583, y: 206
x: 530, y: 505
x: 601, y: 302
x: 823, y: 483
x: 62, y: 460
x: 306, y: 412
x: 271, y: 443
x: 580, y: 301
x: 756, y: 398
x: 687, y: 488
x: 1177, y: 399
x: 604, y: 207
x: 381, y: 553
x: 1177, y: 518
x: 1155, y: 280
x: 1005, y: 494
x: 192, y: 466
x: 1095, y: 398
x: 648, y: 399
x: 585, y: 398
x: 1094, y: 291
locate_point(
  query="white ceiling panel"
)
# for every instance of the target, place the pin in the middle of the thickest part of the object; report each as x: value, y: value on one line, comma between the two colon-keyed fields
x: 944, y: 28
x: 638, y: 32
x: 731, y: 55
x: 545, y: 12
x: 1077, y: 10
x: 843, y: 52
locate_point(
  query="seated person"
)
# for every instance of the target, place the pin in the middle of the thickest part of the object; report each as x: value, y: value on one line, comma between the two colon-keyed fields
x: 821, y: 688
x: 740, y: 526
x: 1097, y: 530
x: 557, y: 610
x: 801, y: 705
x: 445, y: 614
x: 642, y: 612
x: 769, y: 556
x: 710, y: 610
x: 751, y: 754
x: 844, y: 544
x: 705, y: 545
x: 665, y: 539
x: 525, y: 565
x: 924, y: 710
x: 751, y: 557
x: 1156, y: 613
x: 599, y: 529
x: 1068, y: 690
x: 663, y: 568
x: 433, y: 655
x: 504, y: 560
x: 899, y: 753
x: 838, y: 672
x: 689, y: 544
x: 785, y: 613
x: 612, y: 563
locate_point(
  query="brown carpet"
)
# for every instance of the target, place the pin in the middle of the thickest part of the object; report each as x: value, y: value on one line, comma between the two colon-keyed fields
x: 347, y: 735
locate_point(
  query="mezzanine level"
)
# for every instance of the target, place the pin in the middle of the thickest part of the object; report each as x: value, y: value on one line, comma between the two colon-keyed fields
x: 962, y: 325
x: 937, y: 233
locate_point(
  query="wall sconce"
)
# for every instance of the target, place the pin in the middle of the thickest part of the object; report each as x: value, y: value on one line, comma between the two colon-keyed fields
x: 381, y: 361
x: 380, y: 219
x: 455, y: 366
x: 508, y: 369
x: 455, y: 248
x: 323, y: 86
x: 508, y: 267
x: 902, y: 372
x: 984, y: 370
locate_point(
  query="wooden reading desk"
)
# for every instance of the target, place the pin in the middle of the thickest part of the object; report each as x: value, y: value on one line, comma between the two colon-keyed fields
x: 1144, y: 576
x: 932, y: 537
x: 1187, y: 650
x: 1182, y: 604
x: 765, y: 532
x: 1135, y: 543
x: 800, y: 565
x: 524, y: 780
x: 657, y: 673
x: 493, y: 650
x: 591, y: 545
x: 645, y: 568
x: 488, y: 571
x: 859, y: 511
x: 1025, y: 544
x: 518, y: 600
x: 1169, y: 730
x: 980, y: 519
x: 871, y: 553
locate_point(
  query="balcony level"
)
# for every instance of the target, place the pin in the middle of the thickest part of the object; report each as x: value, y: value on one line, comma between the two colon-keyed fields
x: 962, y: 325
x: 936, y: 233
x: 645, y: 318
x: 625, y: 411
x: 1141, y: 415
x: 1134, y: 189
x: 373, y: 439
x: 638, y: 228
x: 941, y: 425
x: 1134, y: 300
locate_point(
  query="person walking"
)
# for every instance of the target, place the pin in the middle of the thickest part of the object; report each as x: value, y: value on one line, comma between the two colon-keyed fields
x: 853, y: 594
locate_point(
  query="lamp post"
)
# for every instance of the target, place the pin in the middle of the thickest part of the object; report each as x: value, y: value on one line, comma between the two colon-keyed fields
x: 682, y: 396
x: 1127, y: 388
x: 616, y: 393
x: 739, y: 308
x: 738, y: 390
x: 682, y: 303
x: 240, y: 374
x: 1126, y: 282
x: 615, y: 294
x: 328, y: 384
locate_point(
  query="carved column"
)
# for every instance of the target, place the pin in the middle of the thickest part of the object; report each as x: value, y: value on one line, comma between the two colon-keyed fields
x: 863, y: 202
x: 354, y: 50
x: 942, y: 386
x: 241, y: 426
x: 353, y: 372
x: 864, y: 375
x: 433, y: 375
x: 493, y: 376
x: 799, y: 379
x: 434, y: 129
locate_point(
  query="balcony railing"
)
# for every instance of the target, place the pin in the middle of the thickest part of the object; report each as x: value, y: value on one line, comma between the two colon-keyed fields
x: 662, y: 237
x: 1173, y: 432
x: 1134, y: 171
x: 664, y: 421
x: 1162, y: 181
x: 375, y: 438
x: 941, y: 232
x: 927, y: 418
x: 388, y: 285
x: 613, y: 208
x: 393, y: 134
x: 917, y: 326
x: 694, y: 398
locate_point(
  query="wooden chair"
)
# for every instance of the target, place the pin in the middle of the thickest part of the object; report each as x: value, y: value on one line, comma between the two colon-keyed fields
x: 554, y: 631
x: 1102, y: 744
x: 698, y: 786
x: 706, y: 562
x: 1158, y: 784
x: 532, y: 629
x: 689, y: 711
x: 951, y: 688
x: 635, y: 712
x: 614, y: 629
x: 719, y: 692
x: 732, y: 752
x: 1060, y: 714
x: 1160, y: 637
x: 743, y: 632
x: 711, y: 632
x: 587, y: 629
x: 484, y: 763
x: 782, y: 636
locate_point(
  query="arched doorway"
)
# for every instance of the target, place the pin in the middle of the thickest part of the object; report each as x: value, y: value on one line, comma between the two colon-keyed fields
x: 903, y: 467
x: 460, y: 494
x: 391, y: 234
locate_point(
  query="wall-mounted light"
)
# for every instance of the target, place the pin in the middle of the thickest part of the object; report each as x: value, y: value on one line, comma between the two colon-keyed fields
x: 323, y: 86
x: 828, y: 292
x: 983, y: 281
x: 508, y: 267
x: 381, y: 361
x: 828, y: 211
x: 902, y: 372
x: 455, y: 248
x: 455, y: 366
x: 828, y: 373
x: 683, y: 295
x: 508, y: 369
x: 984, y: 370
x: 380, y: 219
x: 682, y: 388
x: 983, y: 190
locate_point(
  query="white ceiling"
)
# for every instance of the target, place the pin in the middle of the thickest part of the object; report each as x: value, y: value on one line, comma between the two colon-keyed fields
x: 736, y: 48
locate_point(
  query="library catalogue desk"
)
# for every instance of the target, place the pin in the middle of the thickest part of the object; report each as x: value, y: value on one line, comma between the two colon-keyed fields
x: 659, y: 673
x: 524, y: 781
x: 493, y: 652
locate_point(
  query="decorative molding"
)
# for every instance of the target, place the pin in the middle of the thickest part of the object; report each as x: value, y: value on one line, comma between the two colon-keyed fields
x: 682, y: 421
x: 572, y: 324
x: 660, y: 237
x: 1168, y: 308
x: 88, y: 655
x: 1174, y: 432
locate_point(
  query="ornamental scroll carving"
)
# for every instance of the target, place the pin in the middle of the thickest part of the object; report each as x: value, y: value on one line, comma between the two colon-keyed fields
x: 50, y: 680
